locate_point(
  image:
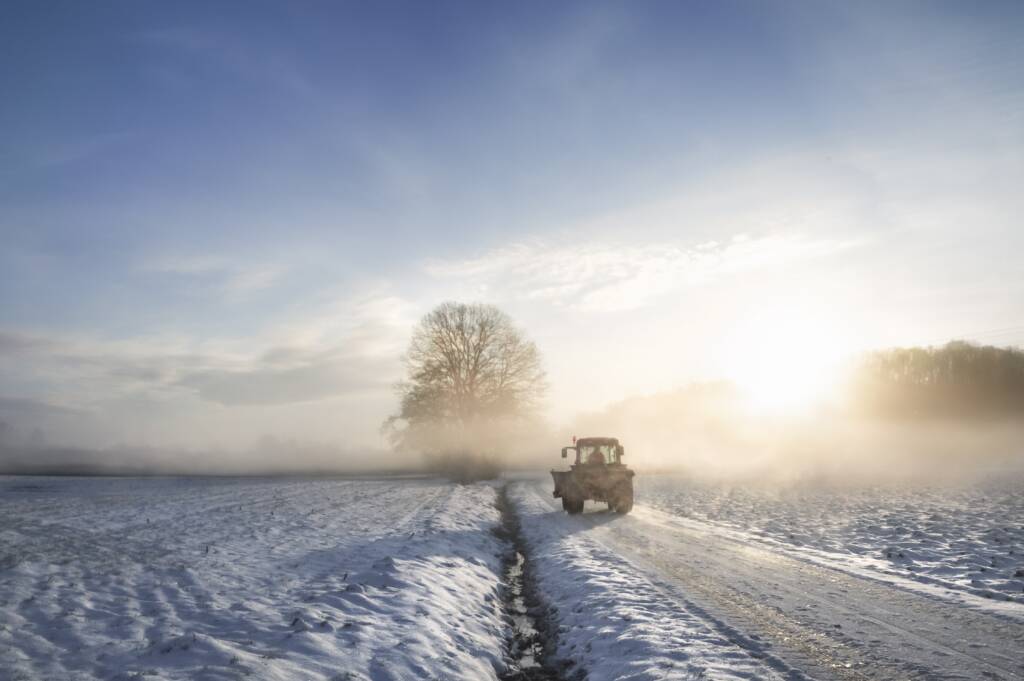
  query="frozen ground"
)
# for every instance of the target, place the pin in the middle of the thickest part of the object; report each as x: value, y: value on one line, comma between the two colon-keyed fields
x: 662, y: 594
x: 218, y: 578
x: 968, y: 539
x: 615, y: 621
x: 233, y: 578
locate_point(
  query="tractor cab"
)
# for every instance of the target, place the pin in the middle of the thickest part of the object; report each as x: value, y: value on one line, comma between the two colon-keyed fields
x: 596, y: 451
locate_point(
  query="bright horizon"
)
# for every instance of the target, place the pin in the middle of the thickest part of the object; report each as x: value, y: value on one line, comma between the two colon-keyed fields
x: 218, y: 228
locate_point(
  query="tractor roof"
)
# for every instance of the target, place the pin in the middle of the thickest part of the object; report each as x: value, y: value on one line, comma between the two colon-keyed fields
x: 597, y: 441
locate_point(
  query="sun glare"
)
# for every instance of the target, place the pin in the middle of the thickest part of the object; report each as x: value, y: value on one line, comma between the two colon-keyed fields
x: 785, y: 360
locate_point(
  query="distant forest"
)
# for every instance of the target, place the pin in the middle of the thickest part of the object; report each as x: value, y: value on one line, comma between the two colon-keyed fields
x: 958, y: 380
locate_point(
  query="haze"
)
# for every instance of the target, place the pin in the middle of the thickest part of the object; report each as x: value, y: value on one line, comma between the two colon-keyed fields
x: 219, y: 227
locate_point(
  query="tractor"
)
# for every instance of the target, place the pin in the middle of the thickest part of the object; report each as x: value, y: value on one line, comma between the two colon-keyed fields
x: 598, y: 474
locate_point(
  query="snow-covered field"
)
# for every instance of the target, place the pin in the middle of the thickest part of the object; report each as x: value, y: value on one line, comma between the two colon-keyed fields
x: 687, y: 586
x: 615, y: 621
x: 969, y: 538
x: 402, y: 578
x: 213, y: 578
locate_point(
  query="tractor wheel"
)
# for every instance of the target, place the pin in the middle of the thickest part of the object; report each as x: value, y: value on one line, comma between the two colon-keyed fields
x: 573, y: 506
x: 624, y: 500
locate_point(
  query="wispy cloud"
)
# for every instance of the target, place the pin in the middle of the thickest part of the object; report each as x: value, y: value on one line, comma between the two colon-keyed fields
x: 290, y: 375
x: 339, y: 351
x: 64, y: 150
x: 229, y: 52
x: 19, y: 406
x: 607, y: 276
x: 234, y: 278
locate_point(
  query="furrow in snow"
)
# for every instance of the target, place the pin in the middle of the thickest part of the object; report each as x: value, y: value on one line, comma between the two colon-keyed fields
x: 614, y: 621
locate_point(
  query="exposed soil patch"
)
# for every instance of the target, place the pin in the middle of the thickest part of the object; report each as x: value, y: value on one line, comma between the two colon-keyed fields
x: 531, y: 650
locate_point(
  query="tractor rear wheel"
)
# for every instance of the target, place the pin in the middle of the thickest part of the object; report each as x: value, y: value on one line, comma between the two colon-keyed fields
x: 624, y: 499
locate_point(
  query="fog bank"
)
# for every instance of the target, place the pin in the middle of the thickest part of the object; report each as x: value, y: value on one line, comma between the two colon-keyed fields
x: 270, y: 457
x: 708, y: 432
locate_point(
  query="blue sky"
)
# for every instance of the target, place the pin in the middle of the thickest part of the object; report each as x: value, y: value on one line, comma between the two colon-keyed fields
x: 220, y: 222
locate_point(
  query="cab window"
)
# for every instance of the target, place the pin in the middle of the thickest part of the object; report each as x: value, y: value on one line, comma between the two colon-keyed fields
x: 597, y: 454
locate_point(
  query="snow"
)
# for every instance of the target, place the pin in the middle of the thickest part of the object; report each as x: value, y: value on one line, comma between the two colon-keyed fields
x: 967, y: 542
x: 401, y: 578
x: 615, y: 620
x: 223, y: 578
x: 655, y: 594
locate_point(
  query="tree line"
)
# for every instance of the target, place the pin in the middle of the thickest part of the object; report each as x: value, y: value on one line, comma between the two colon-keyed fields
x: 959, y: 380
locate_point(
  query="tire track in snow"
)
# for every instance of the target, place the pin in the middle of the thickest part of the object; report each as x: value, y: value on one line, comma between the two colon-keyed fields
x: 618, y: 621
x: 828, y: 623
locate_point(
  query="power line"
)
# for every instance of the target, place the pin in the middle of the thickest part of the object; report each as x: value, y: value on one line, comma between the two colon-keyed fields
x: 991, y: 334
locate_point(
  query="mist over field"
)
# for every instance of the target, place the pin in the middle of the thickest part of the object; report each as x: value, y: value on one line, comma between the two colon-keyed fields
x: 272, y: 457
x: 871, y: 428
x: 709, y: 433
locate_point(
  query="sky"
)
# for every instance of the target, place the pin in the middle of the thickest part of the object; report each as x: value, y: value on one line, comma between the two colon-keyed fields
x: 220, y: 222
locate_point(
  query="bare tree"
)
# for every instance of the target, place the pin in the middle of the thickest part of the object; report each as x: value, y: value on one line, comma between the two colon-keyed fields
x: 470, y: 372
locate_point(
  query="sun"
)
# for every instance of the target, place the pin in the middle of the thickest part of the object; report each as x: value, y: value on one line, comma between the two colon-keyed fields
x: 786, y: 359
